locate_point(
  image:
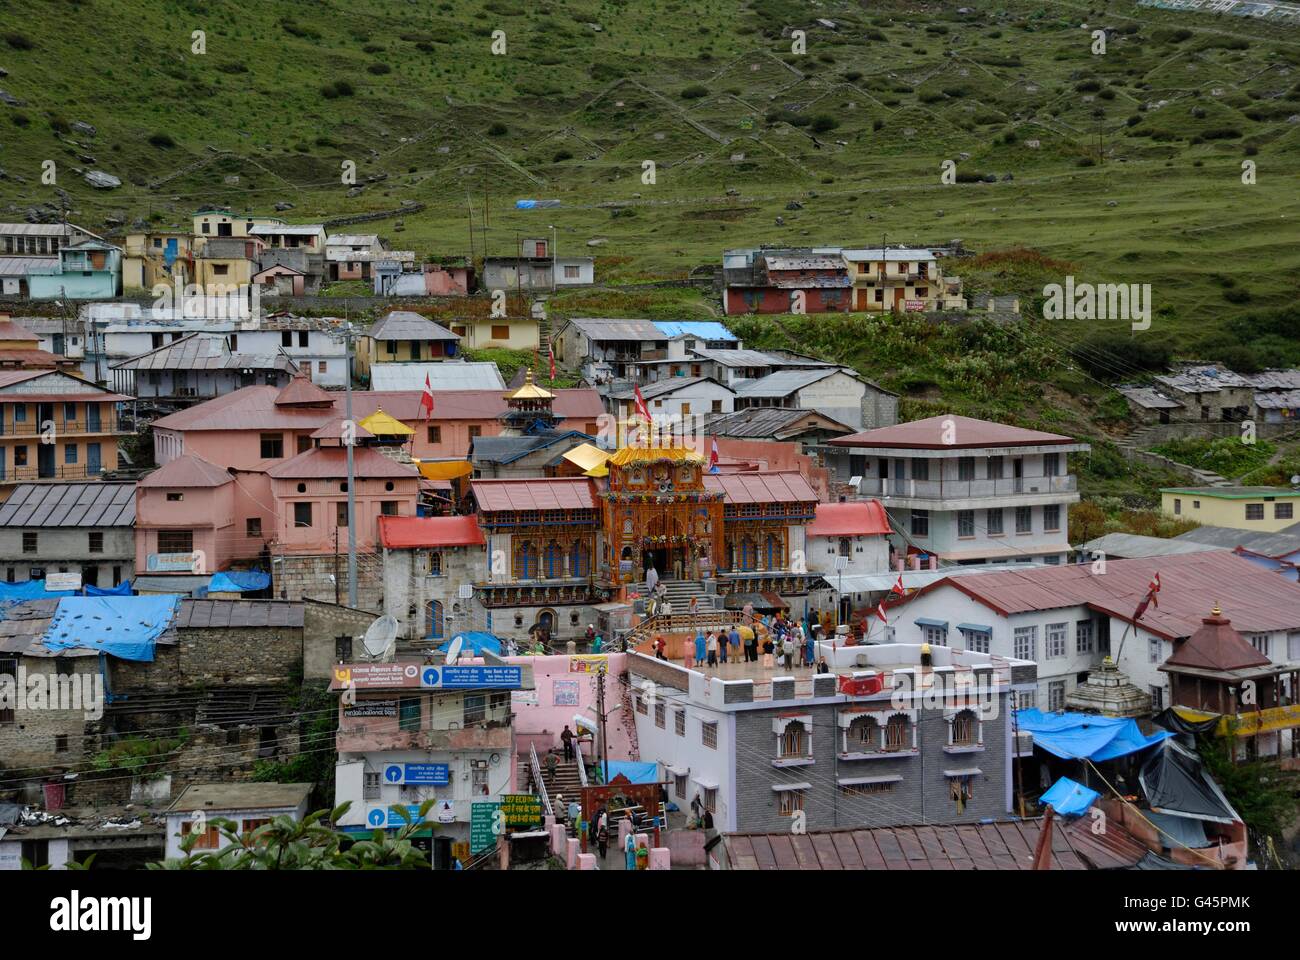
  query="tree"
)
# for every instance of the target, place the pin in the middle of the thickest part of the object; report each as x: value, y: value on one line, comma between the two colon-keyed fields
x: 307, y: 844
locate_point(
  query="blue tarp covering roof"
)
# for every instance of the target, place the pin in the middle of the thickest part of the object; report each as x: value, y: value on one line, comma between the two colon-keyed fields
x: 123, y: 589
x: 636, y: 772
x: 1074, y: 736
x: 474, y: 642
x: 239, y: 581
x: 123, y: 627
x: 11, y: 593
x: 1069, y: 798
x: 704, y: 329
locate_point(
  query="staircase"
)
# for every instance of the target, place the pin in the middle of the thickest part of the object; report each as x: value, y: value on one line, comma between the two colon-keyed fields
x: 1142, y: 438
x: 567, y: 780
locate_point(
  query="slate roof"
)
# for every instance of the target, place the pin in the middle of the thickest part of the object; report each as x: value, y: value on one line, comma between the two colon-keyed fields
x: 771, y: 422
x: 203, y: 351
x: 97, y: 503
x: 218, y: 614
x: 606, y: 329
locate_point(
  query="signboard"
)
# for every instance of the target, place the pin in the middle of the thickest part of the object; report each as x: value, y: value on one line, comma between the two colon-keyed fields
x: 589, y: 663
x: 482, y: 825
x: 444, y: 811
x: 172, y: 563
x: 522, y: 809
x: 62, y: 581
x: 371, y: 708
x: 565, y: 693
x: 381, y: 818
x: 363, y: 675
x: 524, y: 698
x: 472, y: 677
x: 914, y: 306
x: 425, y: 774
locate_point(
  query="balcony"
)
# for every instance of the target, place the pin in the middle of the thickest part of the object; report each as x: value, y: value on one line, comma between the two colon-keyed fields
x: 948, y: 491
x: 491, y: 735
x: 61, y: 427
x: 873, y: 278
x: 69, y: 471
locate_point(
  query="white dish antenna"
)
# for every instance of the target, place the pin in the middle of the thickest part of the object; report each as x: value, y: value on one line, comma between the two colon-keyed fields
x: 454, y: 650
x: 381, y: 638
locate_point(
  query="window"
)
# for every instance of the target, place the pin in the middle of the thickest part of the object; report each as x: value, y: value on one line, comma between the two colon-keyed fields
x: 1178, y: 506
x: 408, y: 713
x: 286, y: 338
x: 679, y: 723
x: 220, y: 269
x: 965, y: 523
x: 1254, y: 511
x: 867, y: 789
x: 30, y: 541
x: 846, y: 546
x: 272, y: 446
x: 175, y: 497
x: 500, y: 331
x: 920, y: 469
x: 435, y: 564
x: 976, y: 640
x: 1260, y: 641
x: 1052, y: 517
x: 709, y: 799
x: 303, y: 338
x: 993, y: 521
x: 679, y: 785
x: 20, y: 456
x: 965, y: 729
x: 965, y: 468
x: 1026, y: 699
x: 388, y: 508
x: 175, y: 541
x: 934, y: 635
x: 642, y: 706
x: 70, y: 453
x: 435, y: 434
x: 661, y: 715
x: 898, y: 732
x: 709, y: 734
x: 995, y: 468
x: 475, y: 709
x: 96, y: 544
x: 60, y: 743
x: 794, y: 741
x: 920, y: 523
x: 322, y: 367
x: 211, y: 838
x: 253, y: 527
x: 1024, y: 520
x: 69, y: 411
x: 302, y: 514
x: 1282, y: 511
x: 864, y: 734
x: 234, y: 342
x: 1056, y: 634
x: 1056, y: 696
x: 1083, y: 636
x: 475, y: 431
x: 570, y: 272
x: 1025, y: 643
x: 790, y: 802
x: 343, y: 648
x: 1157, y: 699
x: 1153, y: 650
x: 341, y: 514
x: 1051, y: 465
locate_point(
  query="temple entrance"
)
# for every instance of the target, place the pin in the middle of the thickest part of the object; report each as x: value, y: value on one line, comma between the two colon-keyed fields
x: 670, y: 562
x: 659, y: 560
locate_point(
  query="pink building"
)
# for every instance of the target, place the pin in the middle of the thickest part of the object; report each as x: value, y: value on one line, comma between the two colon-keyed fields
x: 184, y: 517
x: 259, y: 426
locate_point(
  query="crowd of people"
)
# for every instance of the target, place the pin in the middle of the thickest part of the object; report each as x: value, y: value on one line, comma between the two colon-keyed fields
x: 780, y: 641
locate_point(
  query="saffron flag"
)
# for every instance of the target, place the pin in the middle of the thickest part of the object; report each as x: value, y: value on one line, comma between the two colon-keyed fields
x: 1153, y: 588
x: 426, y: 398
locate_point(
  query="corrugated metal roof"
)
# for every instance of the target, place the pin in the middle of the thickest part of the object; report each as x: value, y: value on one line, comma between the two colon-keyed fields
x: 352, y: 240
x: 552, y: 493
x: 203, y: 351
x: 857, y: 518
x: 219, y: 614
x: 1275, y: 380
x: 965, y: 432
x: 1128, y: 545
x: 1257, y: 600
x: 330, y: 462
x: 408, y: 532
x: 1205, y: 379
x: 772, y: 423
x: 443, y: 375
x: 37, y: 230
x: 1282, y: 400
x: 875, y: 253
x: 17, y: 266
x: 1276, y: 544
x: 787, y: 262
x: 13, y: 331
x: 607, y: 329
x: 407, y: 325
x: 187, y: 471
x: 703, y: 329
x: 1149, y: 397
x: 282, y: 229
x: 670, y: 385
x: 99, y: 503
x: 785, y: 486
x: 782, y: 383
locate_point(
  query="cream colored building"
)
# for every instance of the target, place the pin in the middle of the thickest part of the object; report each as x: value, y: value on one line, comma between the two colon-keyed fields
x: 1266, y: 509
x: 900, y: 280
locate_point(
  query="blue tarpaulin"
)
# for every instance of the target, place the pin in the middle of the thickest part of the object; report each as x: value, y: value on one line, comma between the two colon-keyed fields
x: 239, y: 581
x: 122, y: 627
x: 1069, y: 798
x: 636, y: 772
x: 474, y: 642
x: 11, y: 593
x: 1074, y: 736
x: 123, y: 589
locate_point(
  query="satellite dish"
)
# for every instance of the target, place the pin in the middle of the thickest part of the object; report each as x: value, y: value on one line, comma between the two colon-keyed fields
x: 454, y: 650
x: 1295, y: 480
x: 381, y: 637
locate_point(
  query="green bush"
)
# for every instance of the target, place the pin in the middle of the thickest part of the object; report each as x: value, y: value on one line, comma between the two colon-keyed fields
x: 695, y: 92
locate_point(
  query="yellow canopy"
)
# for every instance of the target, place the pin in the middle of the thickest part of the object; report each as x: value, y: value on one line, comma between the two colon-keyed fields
x: 587, y: 457
x: 444, y: 469
x: 383, y: 425
x: 530, y: 390
x: 651, y: 454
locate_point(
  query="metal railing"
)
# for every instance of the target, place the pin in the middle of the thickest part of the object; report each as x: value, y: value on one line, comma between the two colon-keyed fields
x: 536, y: 768
x: 59, y: 426
x: 57, y: 472
x: 582, y: 767
x: 962, y: 489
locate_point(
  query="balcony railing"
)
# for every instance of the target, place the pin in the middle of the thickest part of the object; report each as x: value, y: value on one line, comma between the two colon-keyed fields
x: 907, y: 276
x: 69, y: 471
x: 966, y: 489
x: 62, y: 428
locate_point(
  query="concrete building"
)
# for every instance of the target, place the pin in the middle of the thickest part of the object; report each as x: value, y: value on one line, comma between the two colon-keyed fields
x: 82, y: 528
x: 198, y: 367
x: 1255, y: 509
x: 852, y: 538
x: 1067, y: 618
x: 400, y: 336
x: 687, y: 403
x: 837, y: 392
x: 54, y: 426
x: 246, y: 805
x: 353, y: 256
x: 884, y: 738
x: 965, y: 490
x: 89, y: 270
x: 34, y: 246
x: 537, y: 267
x: 156, y: 257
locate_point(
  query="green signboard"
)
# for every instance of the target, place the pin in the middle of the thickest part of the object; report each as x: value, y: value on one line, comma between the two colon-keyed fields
x: 522, y: 809
x: 482, y: 826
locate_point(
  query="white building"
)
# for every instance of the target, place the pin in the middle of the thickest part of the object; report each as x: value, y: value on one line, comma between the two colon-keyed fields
x: 835, y: 391
x: 966, y: 490
x: 852, y: 538
x: 1066, y: 618
x: 248, y: 805
x: 685, y: 402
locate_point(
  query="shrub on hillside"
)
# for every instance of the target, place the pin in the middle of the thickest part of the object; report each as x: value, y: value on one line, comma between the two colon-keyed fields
x: 1112, y: 357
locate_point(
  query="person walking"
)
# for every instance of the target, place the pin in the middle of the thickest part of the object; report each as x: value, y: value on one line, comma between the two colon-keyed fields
x: 699, y: 647
x: 591, y: 635
x: 659, y: 648
x: 602, y: 837
x: 711, y: 646
x: 695, y: 607
x: 734, y: 638
x: 723, y: 641
x: 651, y: 580
x: 751, y: 645
x: 688, y: 652
x: 566, y: 738
x: 598, y: 644
x: 787, y: 647
x: 768, y: 647
x: 551, y: 763
x: 810, y: 649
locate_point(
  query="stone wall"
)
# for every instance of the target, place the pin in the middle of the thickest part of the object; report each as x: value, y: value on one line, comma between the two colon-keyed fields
x: 308, y: 577
x: 322, y: 624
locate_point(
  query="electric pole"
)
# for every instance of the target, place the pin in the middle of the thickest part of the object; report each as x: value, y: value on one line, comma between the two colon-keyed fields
x: 349, y: 438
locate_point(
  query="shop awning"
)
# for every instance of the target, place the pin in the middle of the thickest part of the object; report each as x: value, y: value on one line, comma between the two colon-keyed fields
x: 444, y: 469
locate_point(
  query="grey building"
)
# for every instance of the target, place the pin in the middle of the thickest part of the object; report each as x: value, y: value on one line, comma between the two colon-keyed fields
x: 881, y: 740
x: 86, y: 528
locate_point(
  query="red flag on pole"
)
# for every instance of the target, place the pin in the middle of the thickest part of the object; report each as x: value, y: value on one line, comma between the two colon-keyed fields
x: 898, y: 589
x: 426, y: 398
x: 713, y: 456
x: 641, y: 408
x: 1153, y: 588
x: 880, y: 612
x: 550, y: 356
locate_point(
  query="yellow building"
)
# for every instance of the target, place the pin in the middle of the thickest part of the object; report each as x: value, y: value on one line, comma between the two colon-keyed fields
x: 216, y: 222
x: 224, y: 264
x: 900, y: 280
x: 153, y: 258
x: 1266, y: 509
x: 514, y: 333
